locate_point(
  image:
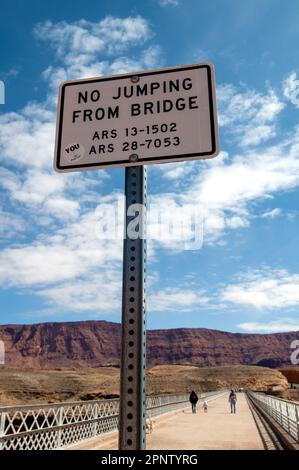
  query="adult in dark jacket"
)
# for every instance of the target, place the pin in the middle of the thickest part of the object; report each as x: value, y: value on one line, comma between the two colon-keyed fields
x: 193, y: 400
x: 233, y: 401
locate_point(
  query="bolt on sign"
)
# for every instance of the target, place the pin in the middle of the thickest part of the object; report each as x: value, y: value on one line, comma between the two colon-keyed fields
x: 159, y: 116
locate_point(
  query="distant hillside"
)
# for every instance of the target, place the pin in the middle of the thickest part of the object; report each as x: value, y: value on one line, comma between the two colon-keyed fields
x: 52, y: 385
x: 97, y: 344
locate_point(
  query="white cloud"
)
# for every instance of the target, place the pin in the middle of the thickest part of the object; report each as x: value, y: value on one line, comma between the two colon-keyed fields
x: 250, y: 117
x: 81, y: 68
x: 66, y: 254
x: 99, y: 292
x: 62, y: 207
x: 36, y: 187
x: 264, y: 289
x: 272, y: 214
x: 224, y: 192
x: 291, y: 89
x: 37, y: 264
x: 254, y: 135
x: 174, y: 299
x: 174, y: 171
x: 110, y: 35
x: 237, y: 222
x: 10, y: 224
x: 27, y: 137
x: 41, y: 191
x: 277, y: 326
x: 167, y: 3
x: 86, y: 48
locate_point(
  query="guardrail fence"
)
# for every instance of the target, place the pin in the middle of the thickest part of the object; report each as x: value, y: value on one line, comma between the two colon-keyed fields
x: 158, y: 405
x: 284, y: 412
x: 55, y: 426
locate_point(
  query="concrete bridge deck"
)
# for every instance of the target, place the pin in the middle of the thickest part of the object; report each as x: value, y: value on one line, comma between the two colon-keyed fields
x: 217, y: 429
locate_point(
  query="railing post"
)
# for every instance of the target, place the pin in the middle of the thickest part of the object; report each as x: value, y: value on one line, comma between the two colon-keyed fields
x: 280, y: 414
x: 60, y: 423
x: 2, y: 428
x: 288, y: 418
x: 95, y: 416
x: 297, y: 421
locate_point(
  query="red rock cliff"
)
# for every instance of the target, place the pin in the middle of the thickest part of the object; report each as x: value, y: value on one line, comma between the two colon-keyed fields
x: 97, y: 343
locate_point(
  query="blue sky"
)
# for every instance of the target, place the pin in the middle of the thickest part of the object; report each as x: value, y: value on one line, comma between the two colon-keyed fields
x: 53, y: 267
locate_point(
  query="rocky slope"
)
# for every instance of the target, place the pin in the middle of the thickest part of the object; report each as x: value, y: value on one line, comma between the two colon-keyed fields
x: 97, y: 344
x: 181, y: 379
x: 46, y: 386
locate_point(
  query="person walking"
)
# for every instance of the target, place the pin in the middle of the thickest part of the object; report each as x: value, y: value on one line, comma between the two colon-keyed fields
x: 205, y: 406
x: 233, y: 401
x: 193, y: 400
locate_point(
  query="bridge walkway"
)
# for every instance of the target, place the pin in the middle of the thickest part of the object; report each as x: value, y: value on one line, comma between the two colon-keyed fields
x: 217, y: 429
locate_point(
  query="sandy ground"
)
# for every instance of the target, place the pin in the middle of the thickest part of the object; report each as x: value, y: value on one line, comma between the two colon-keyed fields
x: 217, y: 429
x: 26, y: 386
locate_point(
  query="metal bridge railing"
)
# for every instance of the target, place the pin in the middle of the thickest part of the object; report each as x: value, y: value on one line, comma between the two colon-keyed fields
x: 158, y: 405
x: 46, y: 427
x: 284, y: 412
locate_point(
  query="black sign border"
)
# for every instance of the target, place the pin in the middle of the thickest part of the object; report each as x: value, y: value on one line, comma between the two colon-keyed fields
x: 147, y: 159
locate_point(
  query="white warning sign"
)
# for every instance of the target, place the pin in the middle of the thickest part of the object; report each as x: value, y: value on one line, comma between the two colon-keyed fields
x: 148, y: 117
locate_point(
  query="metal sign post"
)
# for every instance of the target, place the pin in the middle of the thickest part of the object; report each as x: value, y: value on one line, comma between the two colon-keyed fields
x: 133, y: 360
